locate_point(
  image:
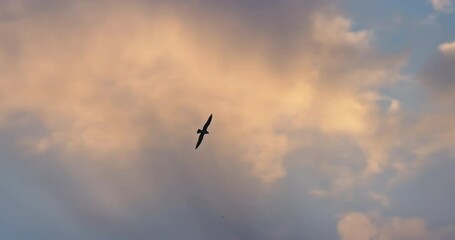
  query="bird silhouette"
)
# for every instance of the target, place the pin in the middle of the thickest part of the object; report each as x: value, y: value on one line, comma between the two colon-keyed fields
x: 203, y: 131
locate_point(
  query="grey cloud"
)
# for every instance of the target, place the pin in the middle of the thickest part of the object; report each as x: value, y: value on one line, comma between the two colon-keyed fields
x: 429, y: 194
x: 184, y: 197
x: 437, y: 76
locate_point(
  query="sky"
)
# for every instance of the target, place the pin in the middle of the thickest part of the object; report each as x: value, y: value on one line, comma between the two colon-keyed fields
x: 331, y: 119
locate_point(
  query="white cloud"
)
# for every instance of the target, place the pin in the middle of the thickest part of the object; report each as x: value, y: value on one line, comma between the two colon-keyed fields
x: 372, y: 226
x: 447, y: 48
x: 356, y: 226
x: 380, y: 198
x: 336, y: 31
x: 442, y: 5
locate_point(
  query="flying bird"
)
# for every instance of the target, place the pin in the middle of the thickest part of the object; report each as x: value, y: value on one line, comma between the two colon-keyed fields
x: 203, y: 131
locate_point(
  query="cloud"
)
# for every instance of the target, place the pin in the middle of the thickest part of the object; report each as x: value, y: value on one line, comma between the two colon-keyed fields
x: 447, y: 48
x: 336, y: 31
x: 442, y: 5
x: 380, y: 198
x: 372, y: 226
x: 356, y: 226
x: 109, y: 96
x: 95, y: 85
x: 437, y: 82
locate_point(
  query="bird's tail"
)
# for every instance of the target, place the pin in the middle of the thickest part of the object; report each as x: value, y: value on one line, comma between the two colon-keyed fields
x: 199, y: 131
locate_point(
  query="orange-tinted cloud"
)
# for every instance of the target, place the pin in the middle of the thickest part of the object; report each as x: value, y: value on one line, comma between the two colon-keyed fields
x: 106, y: 97
x: 95, y: 84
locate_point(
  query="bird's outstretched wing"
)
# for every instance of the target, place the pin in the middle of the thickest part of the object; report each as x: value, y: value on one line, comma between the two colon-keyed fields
x: 201, y: 136
x: 206, y: 125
